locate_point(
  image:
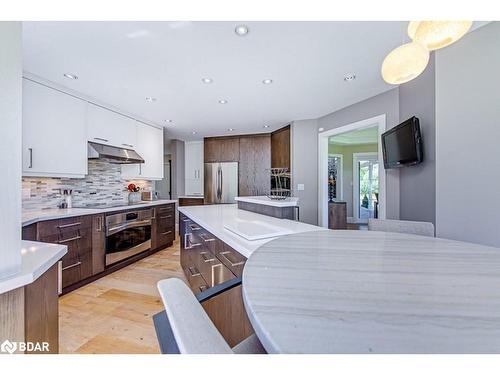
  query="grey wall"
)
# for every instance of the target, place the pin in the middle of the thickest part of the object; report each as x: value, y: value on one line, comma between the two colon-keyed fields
x: 304, y: 152
x: 10, y: 146
x: 467, y: 138
x: 177, y: 154
x: 417, y: 184
x: 386, y: 103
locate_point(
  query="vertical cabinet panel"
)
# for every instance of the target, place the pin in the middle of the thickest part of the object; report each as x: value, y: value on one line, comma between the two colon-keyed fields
x: 54, y: 139
x: 150, y: 148
x: 280, y: 148
x: 193, y: 168
x: 255, y: 161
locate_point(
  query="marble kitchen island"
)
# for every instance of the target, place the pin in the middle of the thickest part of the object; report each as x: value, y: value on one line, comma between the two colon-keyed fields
x: 373, y: 292
x: 217, y: 219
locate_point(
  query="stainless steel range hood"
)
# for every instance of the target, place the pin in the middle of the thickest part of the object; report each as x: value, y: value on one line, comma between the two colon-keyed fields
x: 115, y: 155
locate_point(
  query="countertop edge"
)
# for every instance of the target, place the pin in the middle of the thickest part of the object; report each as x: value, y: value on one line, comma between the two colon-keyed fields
x: 277, y: 203
x: 32, y: 265
x: 90, y: 211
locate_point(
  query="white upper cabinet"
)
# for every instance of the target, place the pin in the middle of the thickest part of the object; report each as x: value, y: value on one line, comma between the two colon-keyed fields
x: 150, y: 148
x: 193, y: 159
x: 110, y: 128
x: 54, y: 137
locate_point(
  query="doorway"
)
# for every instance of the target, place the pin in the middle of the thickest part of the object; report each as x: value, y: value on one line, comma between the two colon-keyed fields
x: 362, y: 182
x: 365, y: 186
x: 164, y: 187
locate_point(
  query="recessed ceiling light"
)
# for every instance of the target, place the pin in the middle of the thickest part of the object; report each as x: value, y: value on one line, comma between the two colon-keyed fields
x: 230, y: 129
x: 266, y: 126
x: 222, y: 101
x: 150, y: 99
x: 321, y: 129
x: 267, y: 81
x: 350, y: 77
x: 193, y: 133
x: 207, y: 80
x: 70, y: 76
x: 241, y: 30
x: 169, y: 121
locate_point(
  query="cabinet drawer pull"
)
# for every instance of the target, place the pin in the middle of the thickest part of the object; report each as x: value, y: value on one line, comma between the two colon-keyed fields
x: 206, y: 238
x: 223, y: 255
x: 70, y: 239
x: 194, y: 227
x: 101, y: 139
x: 187, y: 243
x: 69, y: 225
x: 165, y: 217
x: 206, y: 258
x: 193, y: 271
x: 71, y: 266
x: 128, y: 145
x: 167, y: 232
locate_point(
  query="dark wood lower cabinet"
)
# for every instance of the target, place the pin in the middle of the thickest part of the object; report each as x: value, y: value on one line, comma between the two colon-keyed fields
x: 337, y: 215
x: 163, y: 226
x: 41, y: 311
x: 228, y: 314
x: 209, y: 262
x: 85, y: 237
x: 76, y: 234
x: 191, y: 201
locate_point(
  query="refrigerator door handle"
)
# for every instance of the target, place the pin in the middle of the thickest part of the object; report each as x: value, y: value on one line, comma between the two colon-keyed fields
x: 221, y: 183
x: 218, y: 182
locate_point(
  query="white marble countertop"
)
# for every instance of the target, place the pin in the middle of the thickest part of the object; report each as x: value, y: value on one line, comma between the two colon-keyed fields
x: 36, y: 258
x: 191, y: 196
x: 373, y: 292
x: 262, y: 199
x: 33, y: 216
x: 214, y: 217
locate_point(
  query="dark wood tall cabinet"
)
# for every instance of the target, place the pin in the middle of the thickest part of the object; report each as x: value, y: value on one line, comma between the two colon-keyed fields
x: 256, y: 154
x: 255, y: 161
x: 220, y: 149
x: 280, y: 148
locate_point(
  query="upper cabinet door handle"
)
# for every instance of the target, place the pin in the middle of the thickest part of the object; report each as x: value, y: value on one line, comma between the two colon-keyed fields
x: 31, y: 158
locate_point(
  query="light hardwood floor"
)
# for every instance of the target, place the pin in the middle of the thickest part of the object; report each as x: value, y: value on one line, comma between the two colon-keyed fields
x: 114, y: 314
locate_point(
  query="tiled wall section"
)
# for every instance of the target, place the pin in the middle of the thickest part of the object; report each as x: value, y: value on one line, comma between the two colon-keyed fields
x: 103, y: 184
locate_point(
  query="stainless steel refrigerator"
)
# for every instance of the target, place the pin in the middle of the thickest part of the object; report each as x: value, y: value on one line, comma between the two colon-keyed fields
x: 221, y: 182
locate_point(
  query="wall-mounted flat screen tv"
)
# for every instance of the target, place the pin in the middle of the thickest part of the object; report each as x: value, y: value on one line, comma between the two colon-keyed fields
x: 402, y: 145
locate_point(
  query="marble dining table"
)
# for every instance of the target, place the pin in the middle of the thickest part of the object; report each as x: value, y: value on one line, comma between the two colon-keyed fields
x: 373, y: 292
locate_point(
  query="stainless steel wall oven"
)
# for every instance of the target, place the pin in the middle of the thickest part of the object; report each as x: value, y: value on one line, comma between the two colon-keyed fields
x: 127, y: 234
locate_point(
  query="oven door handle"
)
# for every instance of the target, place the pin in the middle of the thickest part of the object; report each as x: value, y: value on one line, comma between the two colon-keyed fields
x: 132, y: 224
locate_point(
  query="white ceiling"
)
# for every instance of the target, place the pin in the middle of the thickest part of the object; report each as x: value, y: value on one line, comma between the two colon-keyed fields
x: 121, y: 63
x: 356, y: 137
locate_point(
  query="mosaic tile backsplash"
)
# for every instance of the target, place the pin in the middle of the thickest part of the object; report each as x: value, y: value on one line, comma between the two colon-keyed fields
x: 103, y: 184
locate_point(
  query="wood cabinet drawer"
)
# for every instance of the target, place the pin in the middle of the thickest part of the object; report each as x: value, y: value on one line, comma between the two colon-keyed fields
x: 196, y: 281
x: 63, y: 229
x: 231, y: 258
x: 77, y: 268
x: 163, y: 231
